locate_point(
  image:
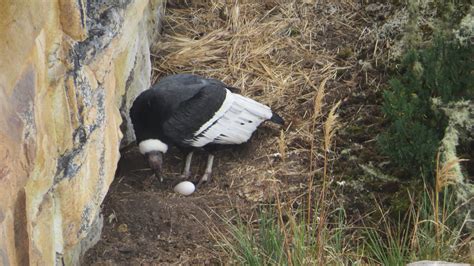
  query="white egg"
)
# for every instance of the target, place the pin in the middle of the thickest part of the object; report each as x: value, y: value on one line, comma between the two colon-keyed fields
x: 185, y: 188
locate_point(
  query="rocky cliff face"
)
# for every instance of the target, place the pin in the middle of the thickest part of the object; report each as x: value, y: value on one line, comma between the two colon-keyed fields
x: 68, y: 70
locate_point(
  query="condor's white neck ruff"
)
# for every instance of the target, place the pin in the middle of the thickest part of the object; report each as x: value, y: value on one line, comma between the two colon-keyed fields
x: 152, y: 145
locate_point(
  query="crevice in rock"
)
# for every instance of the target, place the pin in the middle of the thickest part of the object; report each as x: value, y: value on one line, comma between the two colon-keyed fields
x: 21, y: 230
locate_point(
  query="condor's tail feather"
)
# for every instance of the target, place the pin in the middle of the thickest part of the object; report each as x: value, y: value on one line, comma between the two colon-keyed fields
x: 277, y: 119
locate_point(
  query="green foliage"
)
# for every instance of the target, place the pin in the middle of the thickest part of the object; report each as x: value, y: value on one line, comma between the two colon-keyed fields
x: 390, y: 248
x: 450, y: 12
x: 264, y: 248
x: 443, y: 70
x: 271, y: 242
x: 424, y: 233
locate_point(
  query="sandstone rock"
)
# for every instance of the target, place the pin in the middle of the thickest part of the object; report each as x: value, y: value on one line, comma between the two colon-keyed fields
x: 66, y: 69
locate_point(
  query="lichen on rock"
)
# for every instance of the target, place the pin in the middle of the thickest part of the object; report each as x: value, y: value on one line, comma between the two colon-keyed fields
x: 460, y: 129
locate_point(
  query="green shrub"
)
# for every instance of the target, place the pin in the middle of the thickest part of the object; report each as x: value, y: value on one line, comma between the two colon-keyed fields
x: 442, y: 70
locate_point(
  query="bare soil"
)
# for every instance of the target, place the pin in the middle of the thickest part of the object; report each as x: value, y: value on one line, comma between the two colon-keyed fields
x: 147, y: 223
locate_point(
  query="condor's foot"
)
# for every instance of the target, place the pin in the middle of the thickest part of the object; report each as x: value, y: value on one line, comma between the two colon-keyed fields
x: 206, y: 178
x: 207, y: 174
x: 149, y: 181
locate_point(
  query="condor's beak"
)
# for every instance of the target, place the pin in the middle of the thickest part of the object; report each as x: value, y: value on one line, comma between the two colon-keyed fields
x: 155, y: 160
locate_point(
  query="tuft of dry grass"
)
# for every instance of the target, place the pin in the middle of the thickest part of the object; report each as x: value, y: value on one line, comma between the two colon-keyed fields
x: 330, y: 126
x: 317, y: 107
x: 443, y: 178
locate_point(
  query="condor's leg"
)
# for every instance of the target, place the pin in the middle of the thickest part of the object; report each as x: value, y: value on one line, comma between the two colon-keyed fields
x: 187, y: 166
x: 207, y: 174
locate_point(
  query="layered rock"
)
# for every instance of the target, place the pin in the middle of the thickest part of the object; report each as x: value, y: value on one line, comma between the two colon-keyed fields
x: 68, y: 69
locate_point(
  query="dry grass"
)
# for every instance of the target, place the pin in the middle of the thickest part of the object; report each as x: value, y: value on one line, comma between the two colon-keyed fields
x: 256, y: 51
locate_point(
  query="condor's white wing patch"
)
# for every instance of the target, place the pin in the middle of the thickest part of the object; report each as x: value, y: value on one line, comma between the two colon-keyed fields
x: 233, y: 123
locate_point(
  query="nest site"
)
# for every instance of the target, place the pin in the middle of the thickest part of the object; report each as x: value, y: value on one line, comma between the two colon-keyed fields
x: 280, y: 53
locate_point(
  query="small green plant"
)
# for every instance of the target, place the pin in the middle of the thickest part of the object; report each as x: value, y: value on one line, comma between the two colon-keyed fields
x: 443, y: 70
x: 271, y: 242
x: 429, y: 231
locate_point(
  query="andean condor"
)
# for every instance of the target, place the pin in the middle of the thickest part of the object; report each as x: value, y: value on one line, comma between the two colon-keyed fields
x: 191, y: 112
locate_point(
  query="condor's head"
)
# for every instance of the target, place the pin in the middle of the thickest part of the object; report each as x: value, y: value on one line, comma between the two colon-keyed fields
x: 153, y: 149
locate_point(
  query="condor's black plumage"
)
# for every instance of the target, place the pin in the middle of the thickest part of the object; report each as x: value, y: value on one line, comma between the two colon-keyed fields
x: 190, y: 111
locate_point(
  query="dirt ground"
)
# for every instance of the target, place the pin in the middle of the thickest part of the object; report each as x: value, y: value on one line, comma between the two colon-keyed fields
x: 149, y: 224
x: 146, y: 223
